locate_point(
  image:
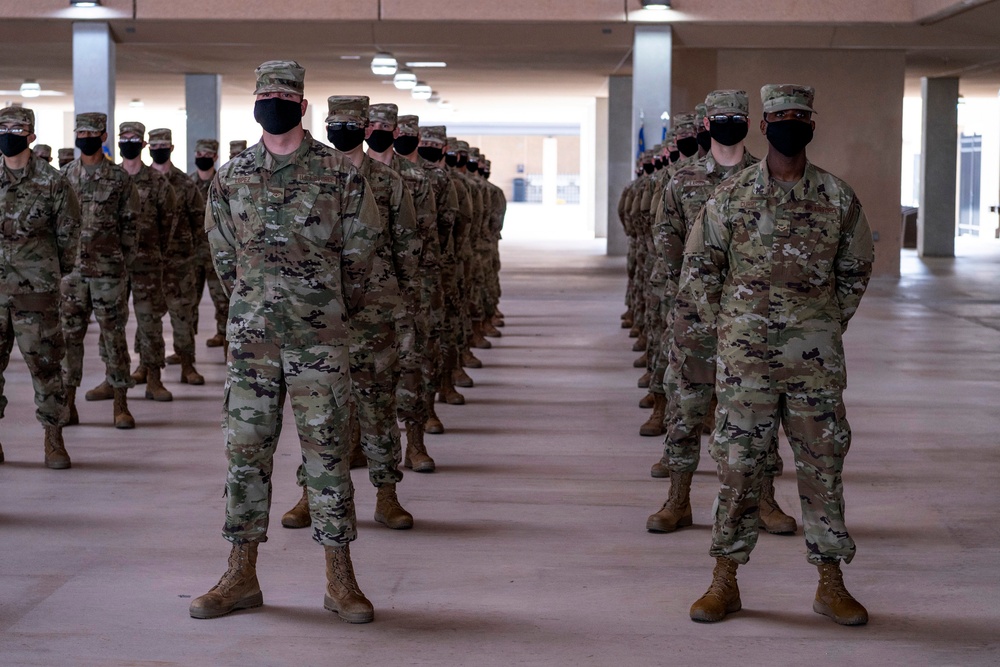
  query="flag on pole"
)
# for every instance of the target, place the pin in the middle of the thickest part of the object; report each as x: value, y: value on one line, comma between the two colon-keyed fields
x: 641, y: 144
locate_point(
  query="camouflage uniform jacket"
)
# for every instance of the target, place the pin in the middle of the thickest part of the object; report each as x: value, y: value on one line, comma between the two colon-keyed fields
x: 498, y: 210
x: 40, y: 228
x: 466, y: 212
x: 156, y: 220
x: 293, y: 246
x: 642, y: 224
x: 109, y: 207
x: 199, y: 239
x: 394, y: 286
x: 190, y: 217
x: 419, y: 185
x: 446, y: 203
x: 779, y: 275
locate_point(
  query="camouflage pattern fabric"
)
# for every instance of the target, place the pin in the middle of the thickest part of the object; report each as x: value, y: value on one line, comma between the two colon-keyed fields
x: 179, y: 281
x: 107, y: 300
x: 39, y: 237
x: 293, y: 246
x: 204, y: 271
x: 779, y: 276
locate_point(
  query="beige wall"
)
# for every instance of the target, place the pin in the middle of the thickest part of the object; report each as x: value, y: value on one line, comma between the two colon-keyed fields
x: 859, y: 120
x: 506, y: 152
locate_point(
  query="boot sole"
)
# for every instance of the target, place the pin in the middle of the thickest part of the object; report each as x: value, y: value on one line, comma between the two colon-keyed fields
x: 356, y: 617
x: 781, y: 532
x: 472, y: 364
x: 405, y: 525
x: 90, y: 397
x: 701, y: 617
x: 653, y: 527
x: 651, y: 432
x: 464, y: 384
x: 59, y: 465
x: 125, y: 425
x: 435, y: 430
x: 656, y: 474
x: 150, y: 396
x: 198, y: 381
x: 246, y: 603
x: 824, y: 610
x: 295, y: 523
x: 422, y: 467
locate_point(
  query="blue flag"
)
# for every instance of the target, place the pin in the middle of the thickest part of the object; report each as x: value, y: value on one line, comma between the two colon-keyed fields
x: 641, y: 146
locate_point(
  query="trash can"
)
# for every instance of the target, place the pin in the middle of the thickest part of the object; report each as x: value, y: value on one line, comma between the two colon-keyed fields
x: 520, y: 190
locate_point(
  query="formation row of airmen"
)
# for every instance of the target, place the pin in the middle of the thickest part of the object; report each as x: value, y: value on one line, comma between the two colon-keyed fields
x: 357, y: 284
x: 742, y: 277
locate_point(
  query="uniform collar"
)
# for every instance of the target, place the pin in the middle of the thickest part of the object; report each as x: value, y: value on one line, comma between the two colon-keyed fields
x: 8, y: 176
x: 713, y: 167
x: 764, y: 184
x: 263, y: 160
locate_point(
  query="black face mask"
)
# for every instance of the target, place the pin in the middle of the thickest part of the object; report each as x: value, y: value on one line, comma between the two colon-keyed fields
x: 160, y: 155
x: 406, y: 144
x: 658, y: 164
x: 472, y: 166
x: 204, y: 163
x: 277, y: 116
x: 729, y: 134
x: 675, y: 156
x: 89, y: 145
x: 11, y: 144
x: 451, y: 159
x: 345, y: 140
x: 688, y: 146
x: 430, y: 153
x: 462, y: 161
x: 789, y: 137
x: 486, y: 175
x: 705, y: 140
x: 648, y: 168
x: 379, y: 141
x: 129, y: 150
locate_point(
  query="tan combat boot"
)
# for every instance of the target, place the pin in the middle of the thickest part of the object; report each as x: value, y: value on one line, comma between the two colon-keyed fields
x: 640, y: 344
x: 641, y: 362
x: 659, y: 470
x: 237, y: 589
x: 433, y: 424
x: 498, y: 320
x: 355, y: 454
x: 469, y: 360
x: 647, y: 401
x: 140, y: 374
x: 627, y: 315
x: 417, y: 457
x: 676, y: 510
x: 123, y: 418
x: 654, y: 425
x: 833, y: 600
x: 74, y: 416
x: 218, y: 340
x: 447, y: 392
x: 343, y: 595
x: 634, y: 331
x: 489, y: 330
x: 173, y: 359
x: 154, y: 388
x: 55, y: 451
x: 461, y: 378
x: 188, y: 373
x: 644, y: 381
x: 388, y: 511
x: 102, y: 392
x: 723, y: 595
x: 298, y: 516
x: 478, y: 341
x: 772, y: 519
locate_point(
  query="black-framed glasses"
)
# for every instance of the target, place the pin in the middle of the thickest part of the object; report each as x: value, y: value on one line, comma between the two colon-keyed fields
x: 350, y: 126
x: 17, y: 131
x: 722, y: 119
x: 133, y: 140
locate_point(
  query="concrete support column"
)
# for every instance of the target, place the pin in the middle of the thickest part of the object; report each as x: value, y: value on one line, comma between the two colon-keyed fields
x: 94, y: 73
x: 621, y: 157
x: 550, y: 171
x: 203, y: 102
x: 651, y: 54
x: 936, y: 220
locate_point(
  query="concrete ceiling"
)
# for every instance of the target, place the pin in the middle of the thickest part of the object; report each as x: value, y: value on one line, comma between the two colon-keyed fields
x: 504, y: 56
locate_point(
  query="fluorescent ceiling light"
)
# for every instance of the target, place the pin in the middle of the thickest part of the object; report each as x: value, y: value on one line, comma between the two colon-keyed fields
x: 656, y: 4
x: 434, y: 98
x: 84, y: 3
x: 350, y: 57
x: 384, y: 64
x: 136, y: 103
x: 31, y: 88
x: 421, y: 91
x: 405, y: 79
x: 427, y: 63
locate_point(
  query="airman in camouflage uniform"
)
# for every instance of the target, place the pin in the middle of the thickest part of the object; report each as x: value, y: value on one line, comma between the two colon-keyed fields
x: 42, y: 152
x: 66, y: 155
x: 431, y: 149
x: 291, y: 223
x: 704, y: 136
x: 39, y: 235
x: 206, y: 152
x: 642, y: 225
x: 498, y: 211
x: 181, y: 260
x: 154, y: 226
x: 690, y: 382
x: 777, y: 262
x: 236, y: 147
x: 98, y: 284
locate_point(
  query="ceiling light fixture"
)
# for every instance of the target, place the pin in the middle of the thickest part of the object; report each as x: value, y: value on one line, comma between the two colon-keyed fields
x: 405, y: 79
x: 656, y: 4
x: 31, y: 88
x: 85, y: 4
x: 434, y: 98
x: 427, y: 63
x: 136, y: 103
x: 421, y: 91
x: 384, y: 64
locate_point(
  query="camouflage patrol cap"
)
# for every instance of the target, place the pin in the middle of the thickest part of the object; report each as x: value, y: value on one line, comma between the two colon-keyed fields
x: 474, y: 154
x: 784, y: 96
x: 383, y: 113
x: 207, y: 146
x: 280, y: 76
x: 19, y: 115
x: 42, y: 150
x: 66, y: 154
x: 132, y: 127
x: 648, y: 156
x: 161, y: 135
x: 460, y: 146
x: 347, y: 108
x: 408, y: 125
x: 683, y: 122
x: 237, y: 146
x: 727, y: 101
x: 434, y: 134
x: 92, y: 121
x: 700, y: 111
x: 486, y: 165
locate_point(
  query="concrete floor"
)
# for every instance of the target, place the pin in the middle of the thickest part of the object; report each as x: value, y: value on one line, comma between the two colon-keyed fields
x: 529, y: 545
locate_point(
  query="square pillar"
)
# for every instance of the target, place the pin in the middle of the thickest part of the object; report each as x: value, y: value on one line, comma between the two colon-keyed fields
x: 936, y: 221
x: 203, y: 102
x: 94, y: 74
x: 621, y: 157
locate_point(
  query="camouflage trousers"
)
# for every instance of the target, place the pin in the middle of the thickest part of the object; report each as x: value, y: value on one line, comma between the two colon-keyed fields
x: 316, y: 378
x: 205, y: 274
x: 451, y: 323
x: 432, y: 301
x: 630, y: 273
x: 817, y: 429
x: 639, y: 284
x: 33, y: 320
x: 179, y: 288
x: 374, y: 363
x: 105, y: 297
x: 149, y: 305
x: 410, y: 406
